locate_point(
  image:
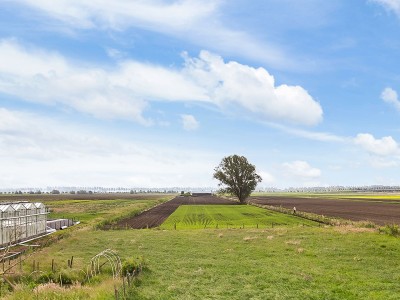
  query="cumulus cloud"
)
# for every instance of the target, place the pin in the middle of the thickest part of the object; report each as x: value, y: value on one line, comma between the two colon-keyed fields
x: 40, y: 76
x: 125, y: 90
x: 189, y: 122
x: 302, y: 170
x: 233, y: 84
x: 384, y: 146
x: 390, y: 5
x: 390, y: 96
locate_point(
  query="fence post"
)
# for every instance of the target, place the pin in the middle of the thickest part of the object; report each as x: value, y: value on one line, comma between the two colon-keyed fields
x: 115, y: 292
x: 123, y: 283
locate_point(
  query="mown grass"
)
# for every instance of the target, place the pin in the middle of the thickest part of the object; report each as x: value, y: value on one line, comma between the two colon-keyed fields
x: 229, y: 216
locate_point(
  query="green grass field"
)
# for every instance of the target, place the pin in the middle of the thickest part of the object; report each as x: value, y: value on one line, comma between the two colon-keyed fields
x: 285, y: 262
x: 229, y: 216
x: 91, y: 211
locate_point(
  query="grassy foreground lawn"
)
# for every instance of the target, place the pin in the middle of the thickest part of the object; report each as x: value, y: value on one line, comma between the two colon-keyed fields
x: 286, y: 262
x: 279, y: 263
x: 229, y: 216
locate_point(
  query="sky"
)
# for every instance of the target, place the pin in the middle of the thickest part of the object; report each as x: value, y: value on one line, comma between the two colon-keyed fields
x: 154, y: 93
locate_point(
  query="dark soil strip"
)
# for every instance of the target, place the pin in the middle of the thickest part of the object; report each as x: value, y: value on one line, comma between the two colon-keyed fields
x: 377, y: 212
x: 155, y: 216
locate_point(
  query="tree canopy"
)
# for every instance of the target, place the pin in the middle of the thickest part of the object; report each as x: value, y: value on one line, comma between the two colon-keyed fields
x: 237, y: 176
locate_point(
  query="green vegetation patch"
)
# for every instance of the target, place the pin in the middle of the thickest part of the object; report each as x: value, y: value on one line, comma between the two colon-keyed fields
x: 229, y: 216
x: 95, y: 211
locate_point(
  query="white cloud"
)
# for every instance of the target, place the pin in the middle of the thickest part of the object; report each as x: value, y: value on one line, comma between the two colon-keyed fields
x: 232, y: 84
x: 390, y: 5
x: 390, y: 96
x: 381, y: 162
x: 311, y: 135
x: 195, y: 20
x: 120, y: 14
x: 125, y: 90
x: 37, y: 151
x: 189, y: 122
x: 267, y: 178
x: 301, y: 169
x: 39, y: 76
x: 384, y: 146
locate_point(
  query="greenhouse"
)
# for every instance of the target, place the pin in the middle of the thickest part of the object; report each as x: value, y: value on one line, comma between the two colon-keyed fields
x: 21, y: 221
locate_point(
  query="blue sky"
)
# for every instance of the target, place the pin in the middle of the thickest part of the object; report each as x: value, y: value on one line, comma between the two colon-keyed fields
x: 154, y: 93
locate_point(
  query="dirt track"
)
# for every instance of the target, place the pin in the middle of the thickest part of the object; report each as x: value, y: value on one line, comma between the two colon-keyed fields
x: 378, y: 212
x: 157, y: 215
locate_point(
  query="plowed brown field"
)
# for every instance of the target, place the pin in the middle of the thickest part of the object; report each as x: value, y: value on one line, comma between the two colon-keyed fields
x: 375, y: 211
x: 157, y: 215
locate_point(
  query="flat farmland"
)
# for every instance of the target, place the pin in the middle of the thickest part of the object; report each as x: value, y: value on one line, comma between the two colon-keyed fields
x: 94, y: 196
x: 377, y: 210
x: 155, y: 216
x: 229, y: 216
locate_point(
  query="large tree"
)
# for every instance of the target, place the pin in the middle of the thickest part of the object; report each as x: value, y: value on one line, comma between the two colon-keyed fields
x: 237, y: 176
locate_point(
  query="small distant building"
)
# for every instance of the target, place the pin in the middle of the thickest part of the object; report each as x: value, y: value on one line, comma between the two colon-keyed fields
x: 20, y: 221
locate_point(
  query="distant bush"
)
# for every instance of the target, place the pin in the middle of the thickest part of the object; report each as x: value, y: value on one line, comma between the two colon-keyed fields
x: 391, y: 229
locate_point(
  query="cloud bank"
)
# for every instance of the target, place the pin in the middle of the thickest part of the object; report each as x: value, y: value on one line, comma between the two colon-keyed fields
x: 125, y: 90
x: 38, y: 152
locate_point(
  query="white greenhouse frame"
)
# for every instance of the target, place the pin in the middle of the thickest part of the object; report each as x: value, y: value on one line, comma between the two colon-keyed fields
x: 20, y: 221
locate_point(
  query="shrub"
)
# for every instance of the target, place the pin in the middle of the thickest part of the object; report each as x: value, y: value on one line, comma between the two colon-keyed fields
x: 391, y: 229
x: 132, y: 266
x: 45, y: 278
